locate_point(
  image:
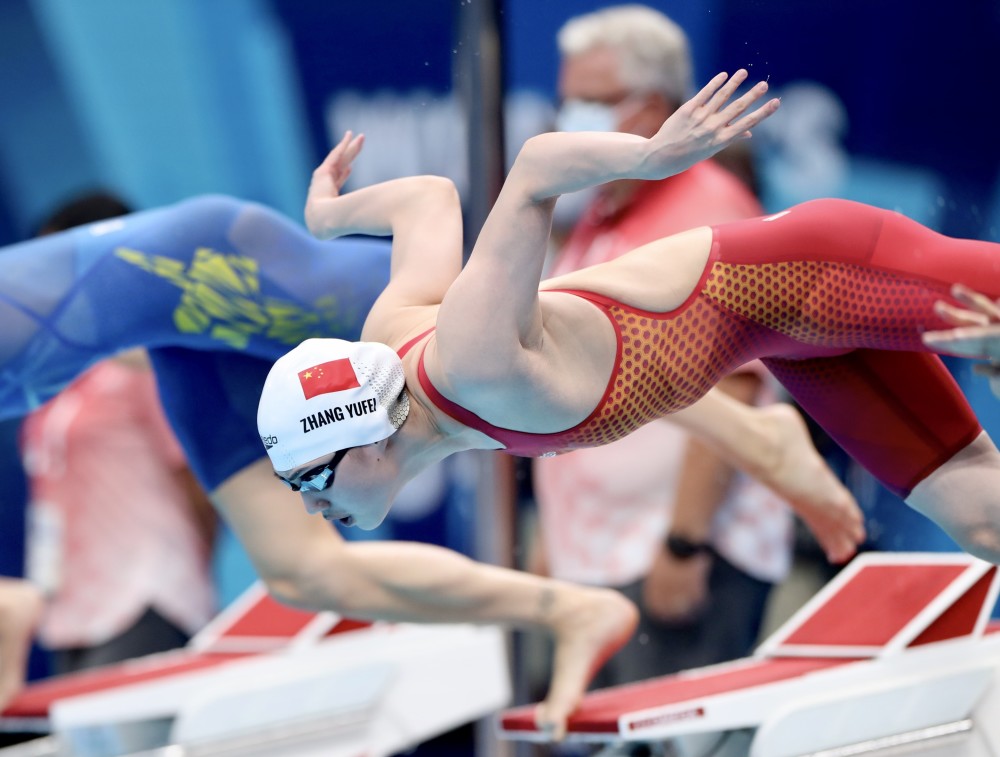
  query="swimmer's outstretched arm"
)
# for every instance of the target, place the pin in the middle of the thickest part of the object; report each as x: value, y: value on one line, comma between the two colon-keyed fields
x: 555, y: 163
x: 498, y: 289
x: 423, y: 214
x: 305, y: 562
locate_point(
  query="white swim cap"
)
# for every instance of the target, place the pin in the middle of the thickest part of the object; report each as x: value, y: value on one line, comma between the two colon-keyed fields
x: 327, y: 395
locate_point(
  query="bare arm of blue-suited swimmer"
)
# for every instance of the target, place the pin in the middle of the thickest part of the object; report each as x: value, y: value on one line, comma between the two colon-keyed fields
x: 210, y: 273
x: 976, y: 332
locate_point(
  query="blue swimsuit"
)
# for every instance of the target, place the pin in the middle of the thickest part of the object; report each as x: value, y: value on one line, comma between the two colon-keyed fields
x: 216, y: 288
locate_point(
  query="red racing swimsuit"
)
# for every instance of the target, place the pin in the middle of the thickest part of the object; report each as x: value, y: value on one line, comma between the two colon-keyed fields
x: 833, y: 296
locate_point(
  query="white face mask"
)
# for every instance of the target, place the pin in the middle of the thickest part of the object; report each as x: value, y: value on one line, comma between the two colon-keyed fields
x: 585, y: 115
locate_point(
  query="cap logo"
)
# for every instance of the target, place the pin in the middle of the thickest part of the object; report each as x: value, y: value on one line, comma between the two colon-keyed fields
x: 333, y: 376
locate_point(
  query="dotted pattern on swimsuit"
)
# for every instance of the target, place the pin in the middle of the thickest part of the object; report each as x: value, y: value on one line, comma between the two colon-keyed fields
x: 827, y: 304
x: 745, y: 312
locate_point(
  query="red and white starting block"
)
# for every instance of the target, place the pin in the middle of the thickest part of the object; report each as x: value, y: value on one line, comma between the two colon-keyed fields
x: 892, y: 656
x: 264, y: 679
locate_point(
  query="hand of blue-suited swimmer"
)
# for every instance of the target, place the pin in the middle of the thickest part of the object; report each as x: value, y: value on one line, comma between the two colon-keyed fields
x: 976, y: 333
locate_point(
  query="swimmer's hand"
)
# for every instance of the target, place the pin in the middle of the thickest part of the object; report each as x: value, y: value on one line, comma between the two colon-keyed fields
x: 589, y: 626
x: 977, y: 325
x: 20, y: 609
x: 976, y: 333
x: 328, y: 179
x: 705, y: 124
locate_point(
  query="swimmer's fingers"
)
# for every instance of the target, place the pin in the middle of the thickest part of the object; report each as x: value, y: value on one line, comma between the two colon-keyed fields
x: 737, y: 126
x: 726, y: 91
x: 352, y: 146
x: 698, y: 130
x: 977, y: 332
x: 327, y: 181
x: 977, y: 302
x: 706, y: 93
x: 957, y: 316
x: 711, y: 104
x: 337, y: 165
x: 967, y: 341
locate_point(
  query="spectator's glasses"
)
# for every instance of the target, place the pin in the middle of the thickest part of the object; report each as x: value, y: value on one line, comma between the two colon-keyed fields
x: 315, y: 479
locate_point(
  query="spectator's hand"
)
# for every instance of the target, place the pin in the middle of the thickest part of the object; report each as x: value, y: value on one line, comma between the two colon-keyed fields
x: 676, y: 590
x: 20, y: 608
x: 329, y: 178
x: 976, y: 333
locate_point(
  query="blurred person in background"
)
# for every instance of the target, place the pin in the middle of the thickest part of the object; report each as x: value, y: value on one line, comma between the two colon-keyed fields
x: 658, y: 515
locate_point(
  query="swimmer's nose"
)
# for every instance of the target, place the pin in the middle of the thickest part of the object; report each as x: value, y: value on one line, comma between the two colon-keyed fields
x: 314, y: 506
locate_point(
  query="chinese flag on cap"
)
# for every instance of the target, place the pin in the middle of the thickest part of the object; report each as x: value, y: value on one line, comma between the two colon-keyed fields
x: 324, y: 378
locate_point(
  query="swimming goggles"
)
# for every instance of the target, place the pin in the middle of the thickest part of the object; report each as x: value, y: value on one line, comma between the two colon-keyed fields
x: 315, y: 479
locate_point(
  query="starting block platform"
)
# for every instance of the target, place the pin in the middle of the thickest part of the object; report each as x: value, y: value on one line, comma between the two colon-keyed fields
x: 894, y: 656
x: 265, y: 679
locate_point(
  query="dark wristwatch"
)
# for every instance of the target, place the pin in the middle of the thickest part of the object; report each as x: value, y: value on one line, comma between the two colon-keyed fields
x: 683, y: 548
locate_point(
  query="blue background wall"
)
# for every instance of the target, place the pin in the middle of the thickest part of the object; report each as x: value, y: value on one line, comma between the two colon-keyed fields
x: 167, y: 98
